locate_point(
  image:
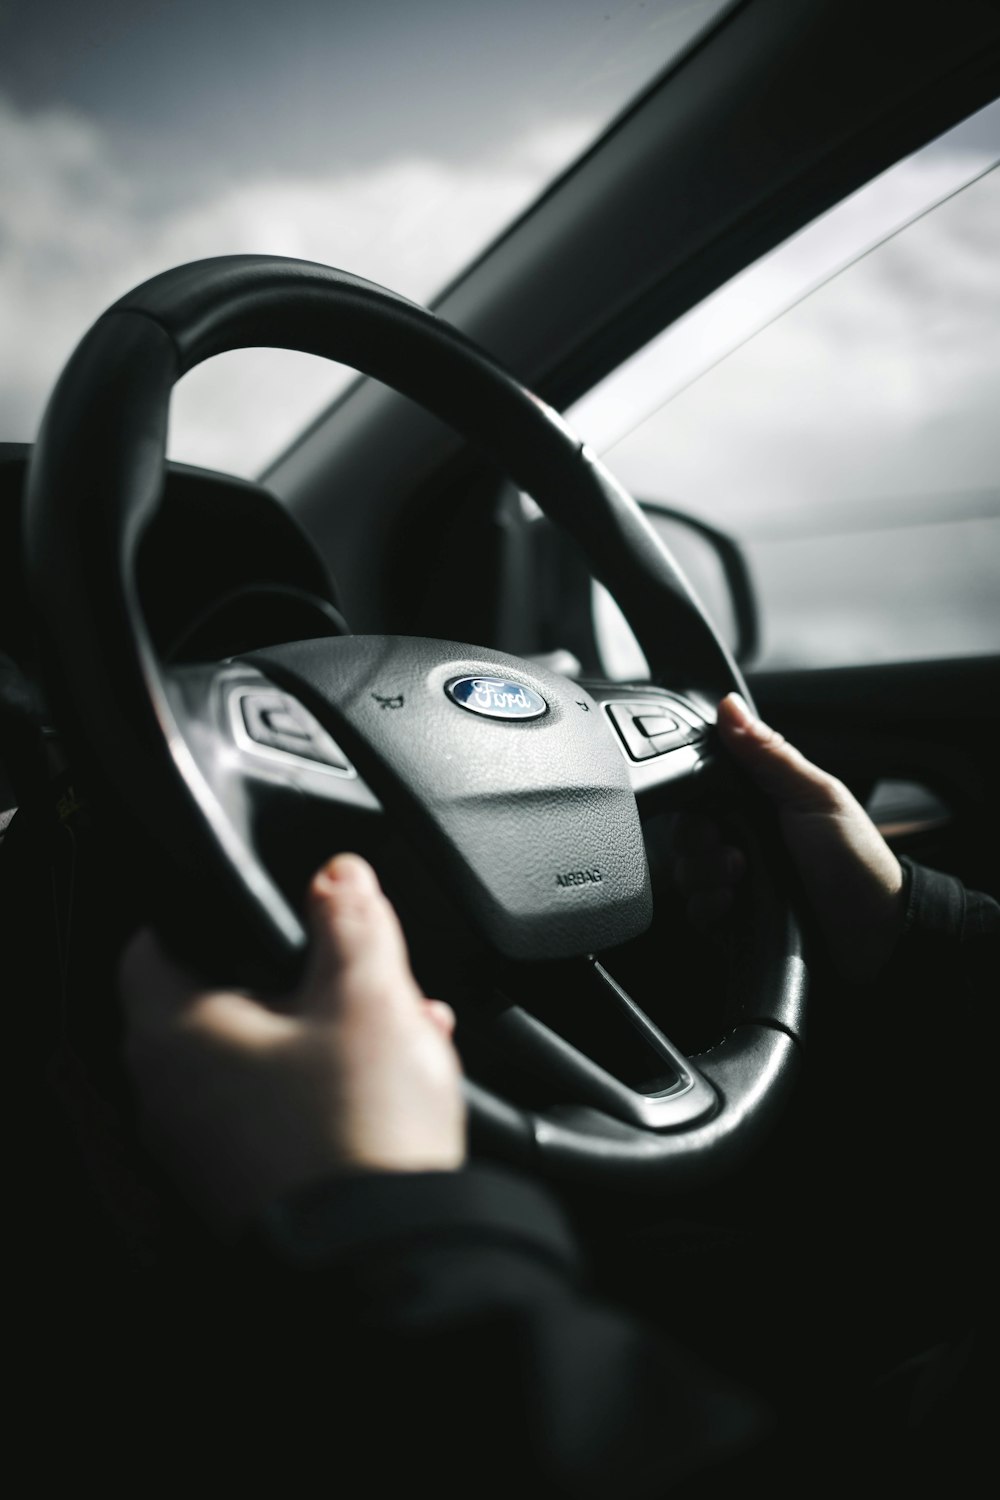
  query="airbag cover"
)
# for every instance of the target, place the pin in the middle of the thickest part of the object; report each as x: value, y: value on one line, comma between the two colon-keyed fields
x: 531, y: 821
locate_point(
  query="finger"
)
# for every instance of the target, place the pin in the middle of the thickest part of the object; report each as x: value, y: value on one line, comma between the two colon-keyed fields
x: 782, y: 772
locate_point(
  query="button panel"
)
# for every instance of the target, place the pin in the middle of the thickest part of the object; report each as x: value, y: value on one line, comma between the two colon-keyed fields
x: 646, y: 729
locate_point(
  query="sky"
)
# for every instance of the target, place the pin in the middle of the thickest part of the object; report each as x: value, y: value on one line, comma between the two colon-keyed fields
x: 879, y: 385
x: 391, y: 139
x: 849, y: 379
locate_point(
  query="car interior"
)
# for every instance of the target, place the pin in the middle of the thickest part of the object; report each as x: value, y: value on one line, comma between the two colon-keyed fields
x: 439, y: 630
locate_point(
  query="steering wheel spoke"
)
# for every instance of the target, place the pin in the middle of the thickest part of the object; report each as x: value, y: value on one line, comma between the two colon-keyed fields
x: 588, y: 1041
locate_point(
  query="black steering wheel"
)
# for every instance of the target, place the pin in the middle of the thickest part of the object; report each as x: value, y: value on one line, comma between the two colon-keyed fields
x: 502, y: 802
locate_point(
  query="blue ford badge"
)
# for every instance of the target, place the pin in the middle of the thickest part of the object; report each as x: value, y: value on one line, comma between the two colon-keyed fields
x: 496, y: 698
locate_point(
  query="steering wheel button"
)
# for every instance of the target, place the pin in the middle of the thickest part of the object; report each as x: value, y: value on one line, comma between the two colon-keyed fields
x: 654, y: 725
x: 646, y: 729
x: 276, y: 722
x: 280, y: 721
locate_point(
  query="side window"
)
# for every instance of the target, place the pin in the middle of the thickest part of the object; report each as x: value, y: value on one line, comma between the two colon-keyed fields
x: 836, y: 410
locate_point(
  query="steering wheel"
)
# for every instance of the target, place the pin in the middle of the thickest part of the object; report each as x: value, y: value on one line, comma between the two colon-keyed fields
x: 502, y: 799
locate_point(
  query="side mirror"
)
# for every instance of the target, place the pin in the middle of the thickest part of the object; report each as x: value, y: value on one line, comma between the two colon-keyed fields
x: 719, y: 572
x: 550, y: 599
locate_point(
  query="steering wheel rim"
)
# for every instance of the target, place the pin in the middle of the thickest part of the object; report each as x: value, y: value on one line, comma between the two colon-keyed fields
x: 96, y: 481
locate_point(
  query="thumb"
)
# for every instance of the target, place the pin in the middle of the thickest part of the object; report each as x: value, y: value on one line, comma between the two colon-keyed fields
x: 357, y: 951
x: 782, y: 772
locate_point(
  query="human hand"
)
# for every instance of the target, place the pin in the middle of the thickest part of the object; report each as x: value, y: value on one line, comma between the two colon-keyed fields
x: 852, y: 879
x: 356, y: 1071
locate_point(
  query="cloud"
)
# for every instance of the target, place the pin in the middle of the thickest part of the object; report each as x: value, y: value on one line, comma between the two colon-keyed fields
x: 77, y: 231
x: 881, y: 386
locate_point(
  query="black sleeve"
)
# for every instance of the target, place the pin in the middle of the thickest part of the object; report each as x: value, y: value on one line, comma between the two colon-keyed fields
x: 474, y: 1355
x: 917, y: 1135
x: 951, y: 937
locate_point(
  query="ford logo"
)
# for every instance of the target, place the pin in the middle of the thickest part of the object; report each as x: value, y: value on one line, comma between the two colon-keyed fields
x: 496, y: 698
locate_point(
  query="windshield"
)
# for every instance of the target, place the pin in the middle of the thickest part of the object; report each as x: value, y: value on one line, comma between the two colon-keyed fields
x: 393, y: 140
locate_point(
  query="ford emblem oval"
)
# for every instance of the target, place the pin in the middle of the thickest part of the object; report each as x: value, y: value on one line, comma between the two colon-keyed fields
x: 496, y: 698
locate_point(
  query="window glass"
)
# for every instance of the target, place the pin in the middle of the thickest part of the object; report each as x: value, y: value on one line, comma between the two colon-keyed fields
x: 835, y: 409
x: 392, y: 139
